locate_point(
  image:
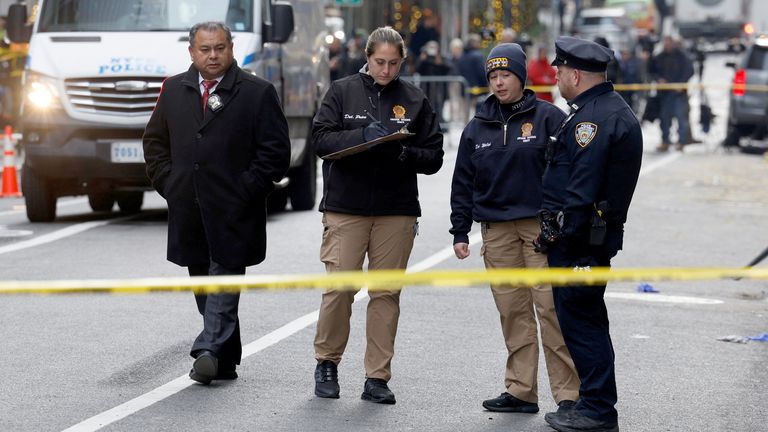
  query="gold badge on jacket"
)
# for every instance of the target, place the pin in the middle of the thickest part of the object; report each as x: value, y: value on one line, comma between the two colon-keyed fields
x: 526, y: 132
x: 585, y: 133
x: 526, y: 129
x: 398, y: 111
x: 399, y: 115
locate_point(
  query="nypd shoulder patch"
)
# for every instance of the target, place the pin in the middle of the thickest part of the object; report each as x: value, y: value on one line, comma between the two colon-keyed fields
x: 585, y: 133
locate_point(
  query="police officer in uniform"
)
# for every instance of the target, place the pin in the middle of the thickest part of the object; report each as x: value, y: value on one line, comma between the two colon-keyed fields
x: 370, y: 203
x: 497, y: 182
x: 593, y: 163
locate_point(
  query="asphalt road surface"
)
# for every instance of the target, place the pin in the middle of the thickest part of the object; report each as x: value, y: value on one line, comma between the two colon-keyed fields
x: 87, y: 361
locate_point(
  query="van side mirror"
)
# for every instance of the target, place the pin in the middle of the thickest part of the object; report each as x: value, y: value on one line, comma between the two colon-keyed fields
x: 18, y: 29
x: 281, y: 27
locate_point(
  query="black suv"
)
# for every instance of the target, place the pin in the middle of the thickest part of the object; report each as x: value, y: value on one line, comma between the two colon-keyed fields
x: 748, y: 111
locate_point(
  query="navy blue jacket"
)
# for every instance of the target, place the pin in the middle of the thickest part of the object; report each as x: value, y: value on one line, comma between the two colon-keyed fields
x: 596, y: 158
x: 375, y: 182
x: 500, y: 163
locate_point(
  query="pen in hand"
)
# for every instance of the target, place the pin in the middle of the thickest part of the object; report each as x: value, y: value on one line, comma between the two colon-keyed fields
x: 370, y: 116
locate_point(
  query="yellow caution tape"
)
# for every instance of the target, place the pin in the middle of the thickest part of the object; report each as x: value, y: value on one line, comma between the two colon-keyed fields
x: 476, y: 91
x: 380, y: 280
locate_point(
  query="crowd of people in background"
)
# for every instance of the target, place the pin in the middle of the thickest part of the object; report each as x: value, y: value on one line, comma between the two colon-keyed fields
x: 456, y: 74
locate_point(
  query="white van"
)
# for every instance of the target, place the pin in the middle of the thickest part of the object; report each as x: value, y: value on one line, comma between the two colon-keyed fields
x: 94, y: 72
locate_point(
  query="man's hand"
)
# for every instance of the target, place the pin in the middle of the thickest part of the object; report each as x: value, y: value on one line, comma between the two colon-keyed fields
x: 461, y: 250
x: 374, y: 130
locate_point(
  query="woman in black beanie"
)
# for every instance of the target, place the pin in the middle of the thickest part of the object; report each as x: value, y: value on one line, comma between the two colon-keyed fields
x: 497, y: 182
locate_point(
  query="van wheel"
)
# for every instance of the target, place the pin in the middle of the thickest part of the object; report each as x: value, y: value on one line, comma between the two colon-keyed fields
x: 101, y: 201
x: 38, y: 197
x: 130, y: 202
x: 303, y: 186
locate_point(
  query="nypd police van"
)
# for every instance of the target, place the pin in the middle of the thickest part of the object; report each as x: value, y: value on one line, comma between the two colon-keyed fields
x: 94, y: 72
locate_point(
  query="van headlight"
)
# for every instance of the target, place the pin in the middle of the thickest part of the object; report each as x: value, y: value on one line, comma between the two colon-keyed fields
x: 41, y: 93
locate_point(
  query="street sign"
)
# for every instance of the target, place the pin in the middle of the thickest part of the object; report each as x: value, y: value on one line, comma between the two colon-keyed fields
x: 348, y: 2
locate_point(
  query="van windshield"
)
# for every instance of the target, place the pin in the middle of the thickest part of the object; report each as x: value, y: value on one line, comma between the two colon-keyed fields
x: 142, y: 15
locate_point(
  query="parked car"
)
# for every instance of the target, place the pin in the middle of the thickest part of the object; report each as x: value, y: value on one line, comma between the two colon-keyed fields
x: 611, y: 23
x: 748, y: 110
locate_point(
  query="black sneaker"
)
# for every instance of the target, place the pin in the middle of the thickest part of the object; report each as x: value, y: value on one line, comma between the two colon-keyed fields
x: 565, y: 405
x: 508, y: 403
x: 574, y: 421
x: 327, y: 380
x: 376, y: 390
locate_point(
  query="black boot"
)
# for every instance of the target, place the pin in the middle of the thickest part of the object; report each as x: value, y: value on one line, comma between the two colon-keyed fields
x: 327, y: 380
x: 376, y: 390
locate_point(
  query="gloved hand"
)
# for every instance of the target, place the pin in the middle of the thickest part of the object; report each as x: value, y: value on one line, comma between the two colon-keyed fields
x: 540, y: 245
x: 374, y: 130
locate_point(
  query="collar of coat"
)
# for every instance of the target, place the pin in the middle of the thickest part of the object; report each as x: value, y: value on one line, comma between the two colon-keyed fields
x: 489, y: 109
x: 369, y: 81
x: 226, y: 88
x: 591, y: 93
x: 230, y: 77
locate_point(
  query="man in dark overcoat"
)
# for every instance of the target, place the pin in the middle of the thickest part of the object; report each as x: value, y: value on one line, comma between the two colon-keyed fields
x: 214, y: 146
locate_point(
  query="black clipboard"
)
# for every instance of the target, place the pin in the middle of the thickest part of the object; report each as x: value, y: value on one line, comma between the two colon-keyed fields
x: 367, y: 145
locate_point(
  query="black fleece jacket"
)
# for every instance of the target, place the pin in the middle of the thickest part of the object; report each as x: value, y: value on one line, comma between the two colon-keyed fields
x: 376, y: 182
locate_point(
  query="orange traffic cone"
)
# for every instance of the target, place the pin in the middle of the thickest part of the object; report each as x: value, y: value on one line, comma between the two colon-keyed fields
x: 10, y: 181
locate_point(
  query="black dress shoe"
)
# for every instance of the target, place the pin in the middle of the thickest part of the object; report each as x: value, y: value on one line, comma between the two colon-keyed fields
x: 508, y: 403
x: 574, y: 421
x: 205, y: 368
x: 376, y: 390
x: 226, y: 372
x: 327, y: 380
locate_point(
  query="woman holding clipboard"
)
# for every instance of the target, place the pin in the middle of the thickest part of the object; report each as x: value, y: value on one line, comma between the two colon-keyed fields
x: 370, y: 201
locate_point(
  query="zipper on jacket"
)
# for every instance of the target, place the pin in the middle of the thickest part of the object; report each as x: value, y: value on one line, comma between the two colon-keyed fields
x: 505, y: 133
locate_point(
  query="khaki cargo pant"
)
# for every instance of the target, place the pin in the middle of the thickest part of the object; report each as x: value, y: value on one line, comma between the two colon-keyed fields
x: 510, y: 245
x: 387, y: 240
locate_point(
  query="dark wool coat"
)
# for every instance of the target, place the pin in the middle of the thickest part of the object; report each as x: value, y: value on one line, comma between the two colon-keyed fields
x: 216, y: 172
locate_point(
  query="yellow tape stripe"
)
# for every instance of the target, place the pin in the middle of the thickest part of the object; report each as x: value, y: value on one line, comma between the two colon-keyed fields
x: 476, y: 91
x: 378, y: 280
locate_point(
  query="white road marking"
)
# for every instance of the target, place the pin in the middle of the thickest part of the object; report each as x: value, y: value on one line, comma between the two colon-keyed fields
x: 58, y: 235
x: 668, y: 159
x: 147, y: 399
x: 8, y: 233
x: 661, y: 298
x: 21, y: 208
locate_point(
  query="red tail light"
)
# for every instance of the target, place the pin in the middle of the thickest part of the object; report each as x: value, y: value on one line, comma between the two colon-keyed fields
x: 739, y: 82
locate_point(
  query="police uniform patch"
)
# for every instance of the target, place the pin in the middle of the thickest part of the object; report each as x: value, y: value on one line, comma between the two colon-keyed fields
x: 585, y: 133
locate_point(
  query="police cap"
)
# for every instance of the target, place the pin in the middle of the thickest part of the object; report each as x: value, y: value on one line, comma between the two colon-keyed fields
x: 581, y: 54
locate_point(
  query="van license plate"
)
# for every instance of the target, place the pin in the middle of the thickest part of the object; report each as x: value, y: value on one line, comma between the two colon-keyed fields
x: 127, y: 152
